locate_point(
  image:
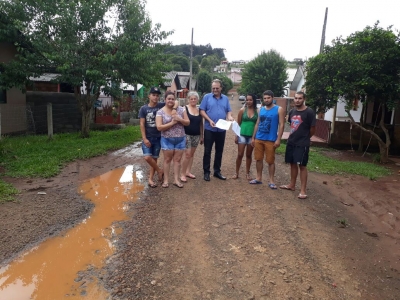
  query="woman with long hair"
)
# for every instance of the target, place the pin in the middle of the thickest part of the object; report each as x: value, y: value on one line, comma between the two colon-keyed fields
x: 194, y: 135
x: 247, y: 119
x: 173, y: 139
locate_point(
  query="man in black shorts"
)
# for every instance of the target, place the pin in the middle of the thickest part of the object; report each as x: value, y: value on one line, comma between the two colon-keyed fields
x: 302, y: 128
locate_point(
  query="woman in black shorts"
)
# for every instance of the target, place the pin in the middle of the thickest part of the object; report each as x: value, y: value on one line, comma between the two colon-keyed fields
x: 194, y: 135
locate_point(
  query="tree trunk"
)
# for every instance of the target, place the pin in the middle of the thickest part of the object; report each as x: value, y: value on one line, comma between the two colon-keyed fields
x: 362, y: 122
x: 383, y: 147
x: 86, y: 102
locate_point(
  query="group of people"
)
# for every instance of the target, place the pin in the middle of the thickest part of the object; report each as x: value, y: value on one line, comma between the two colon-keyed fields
x: 177, y: 131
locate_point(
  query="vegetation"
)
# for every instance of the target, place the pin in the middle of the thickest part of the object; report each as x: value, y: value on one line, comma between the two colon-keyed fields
x: 92, y: 44
x: 265, y: 72
x: 364, y: 67
x: 36, y: 156
x: 7, y: 192
x: 318, y: 162
x: 204, y: 82
x: 198, y: 51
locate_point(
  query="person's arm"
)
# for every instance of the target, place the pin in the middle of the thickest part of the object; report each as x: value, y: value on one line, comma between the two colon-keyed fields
x: 185, y: 120
x: 312, y: 131
x: 239, y: 121
x: 163, y: 127
x: 281, y: 114
x: 143, y: 132
x: 229, y: 112
x: 206, y: 117
x: 253, y: 138
x: 313, y: 121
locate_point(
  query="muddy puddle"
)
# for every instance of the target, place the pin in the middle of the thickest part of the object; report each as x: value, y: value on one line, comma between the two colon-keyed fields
x: 60, y: 267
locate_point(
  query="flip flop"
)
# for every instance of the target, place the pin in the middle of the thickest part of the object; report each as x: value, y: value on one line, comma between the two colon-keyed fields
x: 236, y: 176
x: 183, y: 180
x: 255, y: 181
x: 302, y: 196
x: 165, y: 185
x: 191, y: 176
x: 286, y: 187
x: 179, y: 185
x: 152, y: 185
x: 272, y: 186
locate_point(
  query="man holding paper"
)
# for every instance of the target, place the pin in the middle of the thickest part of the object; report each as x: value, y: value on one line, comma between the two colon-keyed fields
x: 213, y: 107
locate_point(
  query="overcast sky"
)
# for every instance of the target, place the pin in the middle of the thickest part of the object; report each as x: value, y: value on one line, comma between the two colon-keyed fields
x: 247, y: 27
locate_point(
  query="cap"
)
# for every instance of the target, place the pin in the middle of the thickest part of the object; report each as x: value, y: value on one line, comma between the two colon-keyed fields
x: 154, y: 90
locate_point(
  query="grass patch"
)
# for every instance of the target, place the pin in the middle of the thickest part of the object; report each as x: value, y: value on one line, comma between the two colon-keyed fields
x: 7, y: 192
x: 320, y: 163
x: 37, y: 156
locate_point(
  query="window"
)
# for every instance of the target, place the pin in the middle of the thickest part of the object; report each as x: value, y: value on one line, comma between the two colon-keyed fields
x: 3, y: 96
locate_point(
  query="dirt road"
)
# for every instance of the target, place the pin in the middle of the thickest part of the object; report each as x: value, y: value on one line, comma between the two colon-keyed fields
x: 232, y: 240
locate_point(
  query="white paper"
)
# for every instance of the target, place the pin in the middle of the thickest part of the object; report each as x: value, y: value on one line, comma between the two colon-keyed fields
x: 223, y: 124
x: 236, y: 128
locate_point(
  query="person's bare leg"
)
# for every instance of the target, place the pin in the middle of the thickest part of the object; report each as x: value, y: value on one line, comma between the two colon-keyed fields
x: 153, y: 168
x: 177, y: 165
x: 249, y: 153
x: 168, y: 154
x: 185, y: 162
x: 189, y: 166
x: 239, y: 159
x: 271, y: 171
x: 259, y: 168
x: 294, y: 170
x: 303, y: 179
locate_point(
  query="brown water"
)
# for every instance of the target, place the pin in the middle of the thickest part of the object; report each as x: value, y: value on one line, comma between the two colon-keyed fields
x: 49, y: 270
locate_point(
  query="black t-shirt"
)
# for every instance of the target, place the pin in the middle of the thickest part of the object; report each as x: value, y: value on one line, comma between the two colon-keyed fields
x: 194, y: 127
x: 300, y: 125
x: 149, y: 114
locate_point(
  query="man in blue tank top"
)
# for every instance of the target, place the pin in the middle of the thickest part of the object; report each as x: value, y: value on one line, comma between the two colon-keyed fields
x: 267, y: 137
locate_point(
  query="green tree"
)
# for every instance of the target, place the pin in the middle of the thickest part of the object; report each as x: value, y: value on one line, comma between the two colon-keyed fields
x: 195, y: 66
x: 204, y: 82
x: 182, y: 61
x: 265, y: 72
x: 364, y: 67
x: 92, y: 44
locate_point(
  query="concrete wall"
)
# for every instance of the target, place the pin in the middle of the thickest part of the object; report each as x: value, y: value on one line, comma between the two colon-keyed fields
x: 66, y: 114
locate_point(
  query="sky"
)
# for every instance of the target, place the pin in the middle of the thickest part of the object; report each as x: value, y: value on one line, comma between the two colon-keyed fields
x: 245, y: 28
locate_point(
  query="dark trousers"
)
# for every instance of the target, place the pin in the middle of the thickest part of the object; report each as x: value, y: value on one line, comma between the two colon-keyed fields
x: 211, y: 137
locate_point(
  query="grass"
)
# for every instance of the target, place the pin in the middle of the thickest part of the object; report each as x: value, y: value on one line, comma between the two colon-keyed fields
x: 318, y: 162
x: 7, y: 192
x: 37, y: 156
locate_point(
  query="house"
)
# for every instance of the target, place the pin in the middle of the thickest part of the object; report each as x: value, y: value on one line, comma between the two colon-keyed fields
x: 178, y: 82
x: 12, y: 101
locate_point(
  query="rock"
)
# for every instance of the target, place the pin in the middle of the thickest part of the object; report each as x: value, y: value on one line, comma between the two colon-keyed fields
x: 282, y: 271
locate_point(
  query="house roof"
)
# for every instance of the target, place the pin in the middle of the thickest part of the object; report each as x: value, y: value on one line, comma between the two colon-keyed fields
x: 297, y: 77
x: 45, y: 77
x: 169, y: 77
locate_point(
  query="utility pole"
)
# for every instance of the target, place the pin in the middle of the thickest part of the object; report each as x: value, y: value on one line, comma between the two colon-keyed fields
x: 321, y: 48
x: 191, y: 62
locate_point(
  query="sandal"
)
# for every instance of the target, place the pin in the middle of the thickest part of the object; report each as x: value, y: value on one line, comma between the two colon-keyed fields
x: 179, y: 185
x: 248, y: 177
x: 272, y: 186
x: 286, y: 187
x: 255, y: 181
x: 152, y: 185
x: 191, y: 176
x: 302, y: 196
x: 183, y: 179
x: 236, y: 176
x: 165, y: 185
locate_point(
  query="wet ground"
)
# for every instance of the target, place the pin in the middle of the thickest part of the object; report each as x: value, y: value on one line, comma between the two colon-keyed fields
x: 223, y: 239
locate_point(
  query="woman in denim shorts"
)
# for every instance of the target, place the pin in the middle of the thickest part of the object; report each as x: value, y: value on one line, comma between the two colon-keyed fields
x: 194, y: 135
x: 171, y: 123
x: 247, y: 119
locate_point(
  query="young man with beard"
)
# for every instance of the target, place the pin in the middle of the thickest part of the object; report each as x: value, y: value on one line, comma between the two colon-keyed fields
x: 267, y: 137
x: 213, y: 107
x: 302, y: 128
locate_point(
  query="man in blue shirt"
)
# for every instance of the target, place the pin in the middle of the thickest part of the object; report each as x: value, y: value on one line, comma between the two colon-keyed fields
x: 213, y: 107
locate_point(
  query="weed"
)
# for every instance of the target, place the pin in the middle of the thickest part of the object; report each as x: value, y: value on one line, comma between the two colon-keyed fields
x: 342, y: 222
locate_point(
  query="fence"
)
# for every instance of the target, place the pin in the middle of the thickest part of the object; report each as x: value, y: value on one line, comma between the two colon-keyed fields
x: 323, y: 130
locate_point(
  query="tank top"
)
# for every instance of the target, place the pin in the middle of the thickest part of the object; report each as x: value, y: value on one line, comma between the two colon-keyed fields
x: 268, y: 125
x: 194, y: 127
x: 247, y: 125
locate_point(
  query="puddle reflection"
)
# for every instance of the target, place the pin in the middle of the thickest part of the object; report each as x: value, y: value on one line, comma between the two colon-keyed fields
x: 49, y: 270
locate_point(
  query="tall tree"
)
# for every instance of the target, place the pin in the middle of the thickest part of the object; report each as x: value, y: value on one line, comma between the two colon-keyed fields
x: 265, y: 72
x: 363, y: 67
x: 92, y: 44
x: 204, y: 82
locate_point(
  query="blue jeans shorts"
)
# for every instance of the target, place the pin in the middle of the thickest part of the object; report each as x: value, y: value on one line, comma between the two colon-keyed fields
x: 154, y: 149
x: 173, y: 143
x: 244, y: 139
